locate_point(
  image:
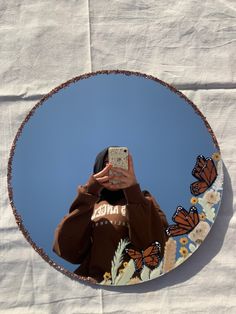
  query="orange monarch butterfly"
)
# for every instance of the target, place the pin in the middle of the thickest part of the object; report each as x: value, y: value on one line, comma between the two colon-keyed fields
x: 185, y: 221
x: 149, y: 257
x: 205, y: 172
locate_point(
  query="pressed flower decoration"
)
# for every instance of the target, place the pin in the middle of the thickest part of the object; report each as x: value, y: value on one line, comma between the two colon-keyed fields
x: 199, y: 233
x: 107, y: 276
x: 183, y: 240
x: 183, y: 251
x: 216, y: 156
x: 194, y: 200
x: 211, y: 197
x: 202, y: 216
x: 208, y: 189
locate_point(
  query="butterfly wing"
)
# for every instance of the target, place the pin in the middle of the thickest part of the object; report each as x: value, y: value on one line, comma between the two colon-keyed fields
x: 193, y: 213
x: 175, y: 230
x: 209, y: 173
x: 198, y: 187
x: 205, y: 171
x: 185, y: 221
x: 151, y: 261
x: 180, y: 216
x: 151, y: 255
x: 137, y: 257
x: 153, y: 249
x: 200, y: 164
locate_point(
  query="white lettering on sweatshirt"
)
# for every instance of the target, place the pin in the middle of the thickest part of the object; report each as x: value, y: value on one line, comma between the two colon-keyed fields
x: 107, y: 209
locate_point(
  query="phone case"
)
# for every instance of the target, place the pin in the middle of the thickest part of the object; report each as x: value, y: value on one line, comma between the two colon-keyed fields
x: 118, y: 157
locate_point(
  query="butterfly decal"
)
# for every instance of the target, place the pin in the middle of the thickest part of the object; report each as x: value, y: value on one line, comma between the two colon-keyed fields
x: 149, y: 257
x: 185, y: 221
x: 205, y: 172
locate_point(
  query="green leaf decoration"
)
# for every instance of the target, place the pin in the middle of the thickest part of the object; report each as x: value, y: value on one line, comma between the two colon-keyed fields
x: 124, y: 277
x: 145, y: 274
x: 156, y: 272
x: 118, y: 258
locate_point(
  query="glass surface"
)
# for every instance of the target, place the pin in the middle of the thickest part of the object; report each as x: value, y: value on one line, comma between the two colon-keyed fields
x: 165, y: 133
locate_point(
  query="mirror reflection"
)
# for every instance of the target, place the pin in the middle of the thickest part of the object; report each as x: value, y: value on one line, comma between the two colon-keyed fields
x: 117, y: 177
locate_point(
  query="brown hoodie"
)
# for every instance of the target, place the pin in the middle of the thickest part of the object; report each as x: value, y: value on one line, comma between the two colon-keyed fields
x: 90, y: 233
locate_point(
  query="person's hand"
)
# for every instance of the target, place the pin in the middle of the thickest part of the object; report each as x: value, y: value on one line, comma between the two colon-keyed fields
x: 126, y: 178
x: 96, y: 181
x: 103, y: 177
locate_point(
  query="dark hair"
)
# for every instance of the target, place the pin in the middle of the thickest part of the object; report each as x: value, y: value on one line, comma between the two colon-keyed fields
x: 111, y: 196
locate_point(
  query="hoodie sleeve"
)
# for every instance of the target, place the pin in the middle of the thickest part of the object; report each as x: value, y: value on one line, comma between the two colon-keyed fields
x: 147, y: 222
x: 72, y: 239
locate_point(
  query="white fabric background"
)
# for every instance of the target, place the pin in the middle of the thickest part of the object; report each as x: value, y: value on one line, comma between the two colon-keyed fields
x: 189, y: 44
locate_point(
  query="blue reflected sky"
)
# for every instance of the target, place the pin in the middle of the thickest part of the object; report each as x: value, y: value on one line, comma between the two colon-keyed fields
x: 59, y: 143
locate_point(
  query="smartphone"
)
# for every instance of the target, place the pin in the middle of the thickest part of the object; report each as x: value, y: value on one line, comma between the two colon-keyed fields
x: 118, y: 157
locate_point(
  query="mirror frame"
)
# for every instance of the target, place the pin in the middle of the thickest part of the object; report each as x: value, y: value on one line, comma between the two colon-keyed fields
x: 18, y: 217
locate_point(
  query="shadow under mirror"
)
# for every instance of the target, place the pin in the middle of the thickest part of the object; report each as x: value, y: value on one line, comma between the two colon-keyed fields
x: 115, y: 178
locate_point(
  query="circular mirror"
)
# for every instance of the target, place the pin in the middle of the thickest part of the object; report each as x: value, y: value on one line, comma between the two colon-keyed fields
x: 165, y: 193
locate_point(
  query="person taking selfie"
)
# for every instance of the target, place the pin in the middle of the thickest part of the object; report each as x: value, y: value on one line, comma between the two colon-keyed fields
x: 108, y: 208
